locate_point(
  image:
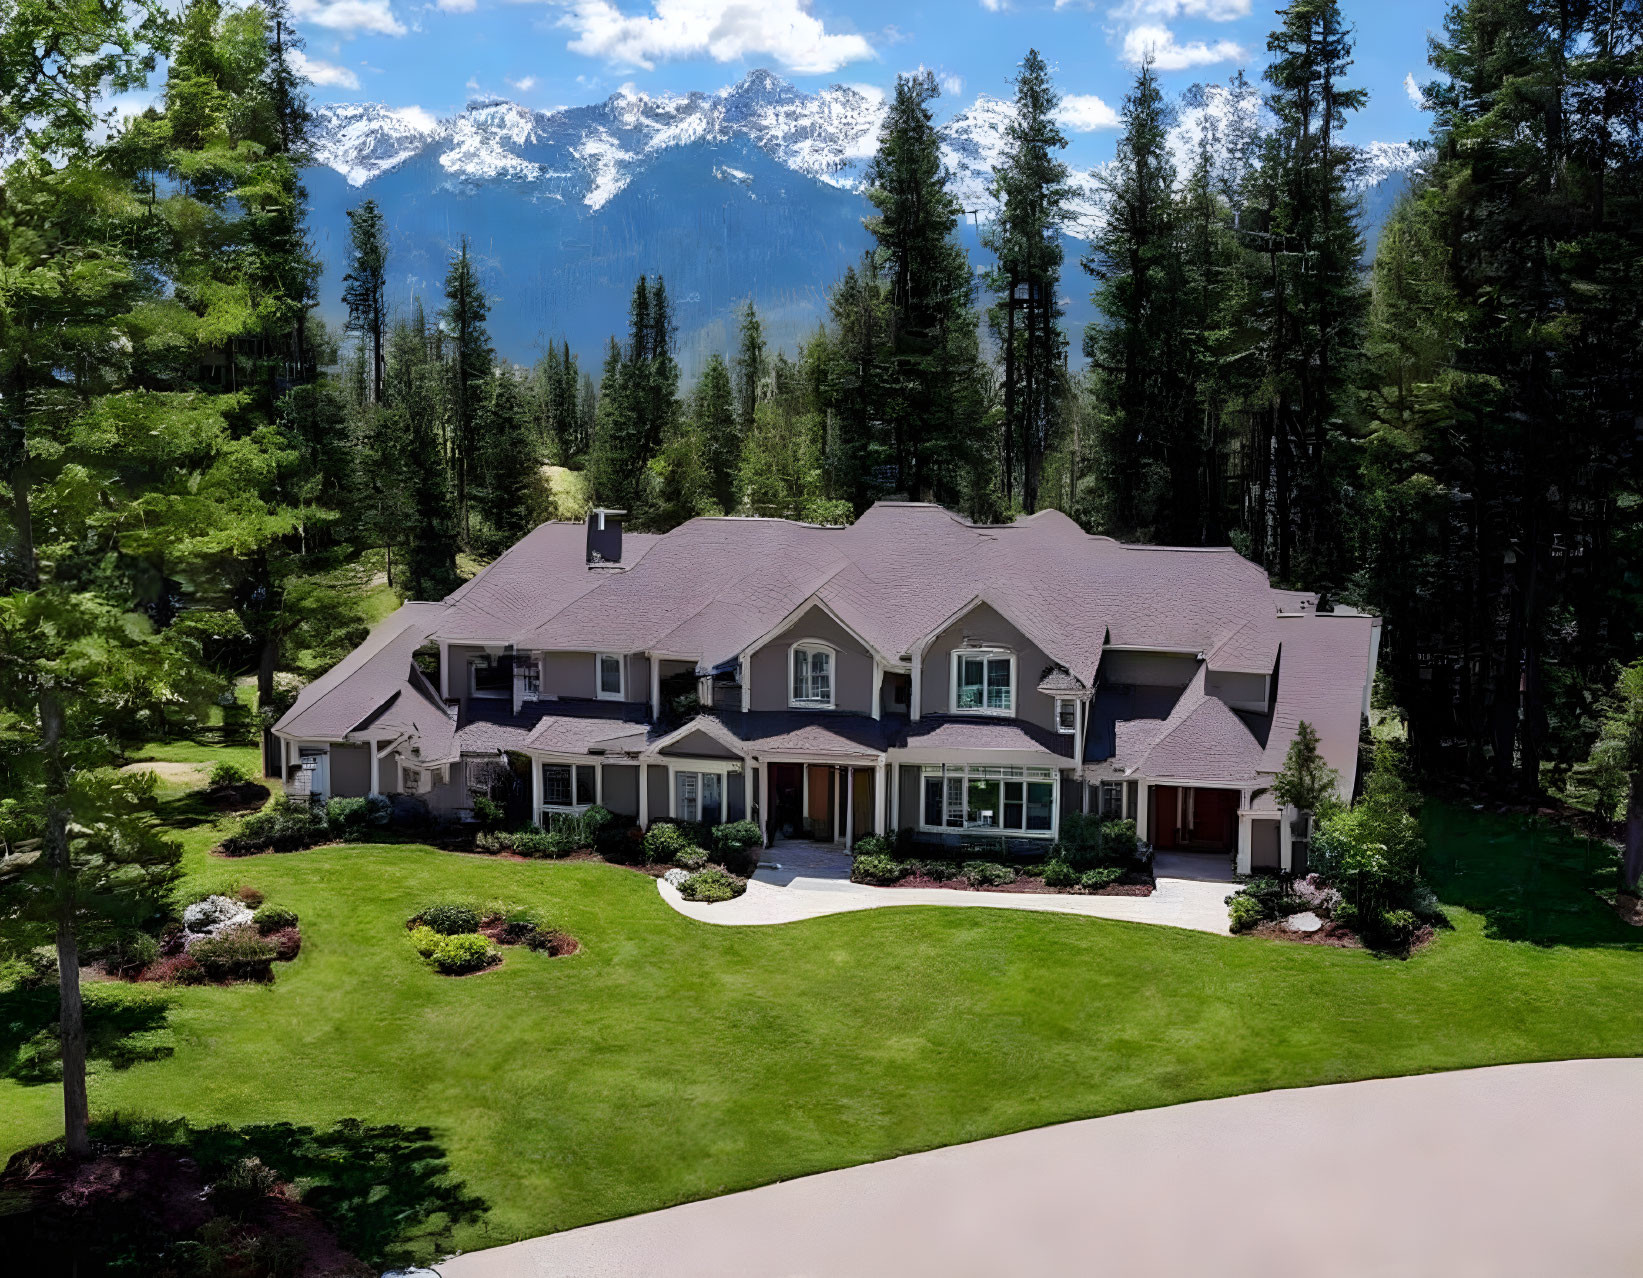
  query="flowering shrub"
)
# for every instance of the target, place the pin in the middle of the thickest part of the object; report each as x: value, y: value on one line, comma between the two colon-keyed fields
x: 1316, y: 894
x: 691, y: 859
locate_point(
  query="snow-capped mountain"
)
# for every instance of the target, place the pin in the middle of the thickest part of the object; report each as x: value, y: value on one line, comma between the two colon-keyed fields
x: 754, y: 190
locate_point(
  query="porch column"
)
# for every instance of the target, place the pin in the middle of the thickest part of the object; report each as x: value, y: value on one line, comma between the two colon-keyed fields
x: 878, y: 686
x: 804, y: 797
x: 880, y: 771
x: 838, y: 800
x: 655, y: 687
x: 849, y: 807
x: 536, y: 789
x: 1143, y: 812
x: 1085, y: 787
x: 376, y: 768
x: 1244, y: 843
x: 644, y: 795
x: 895, y: 796
x: 599, y: 782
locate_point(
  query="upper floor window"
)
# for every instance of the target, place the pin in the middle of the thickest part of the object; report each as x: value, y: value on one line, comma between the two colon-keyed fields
x: 611, y: 684
x: 983, y: 681
x: 1066, y: 715
x: 812, y: 665
x: 527, y: 673
x: 490, y: 676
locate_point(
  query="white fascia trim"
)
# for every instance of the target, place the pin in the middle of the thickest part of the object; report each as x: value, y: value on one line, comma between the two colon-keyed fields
x: 975, y: 602
x: 1001, y: 758
x: 814, y: 600
x: 701, y: 723
x: 822, y: 758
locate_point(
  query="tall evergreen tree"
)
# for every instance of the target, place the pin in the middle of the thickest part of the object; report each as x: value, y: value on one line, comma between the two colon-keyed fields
x: 1025, y: 238
x: 508, y: 463
x: 713, y: 414
x: 750, y: 365
x: 365, y: 286
x: 415, y: 391
x: 469, y: 372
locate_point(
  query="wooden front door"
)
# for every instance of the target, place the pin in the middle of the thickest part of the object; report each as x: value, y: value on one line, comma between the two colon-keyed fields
x: 786, y: 799
x: 1166, y: 814
x: 1214, y: 820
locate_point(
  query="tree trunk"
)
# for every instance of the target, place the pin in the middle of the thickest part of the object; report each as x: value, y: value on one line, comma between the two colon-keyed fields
x: 71, y: 1013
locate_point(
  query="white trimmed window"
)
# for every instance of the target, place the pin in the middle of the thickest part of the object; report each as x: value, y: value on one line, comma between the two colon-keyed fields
x: 811, y: 665
x: 1066, y: 715
x: 569, y: 787
x: 612, y: 682
x: 527, y: 677
x: 1018, y: 801
x: 699, y: 796
x: 983, y: 681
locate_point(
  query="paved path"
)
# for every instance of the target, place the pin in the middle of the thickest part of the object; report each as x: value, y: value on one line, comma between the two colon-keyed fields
x: 806, y: 881
x: 1522, y: 1171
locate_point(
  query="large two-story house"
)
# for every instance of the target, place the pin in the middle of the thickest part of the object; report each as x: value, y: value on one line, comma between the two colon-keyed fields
x: 913, y: 671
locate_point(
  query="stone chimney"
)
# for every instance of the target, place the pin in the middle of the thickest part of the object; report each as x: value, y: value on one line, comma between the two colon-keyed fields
x: 605, y: 536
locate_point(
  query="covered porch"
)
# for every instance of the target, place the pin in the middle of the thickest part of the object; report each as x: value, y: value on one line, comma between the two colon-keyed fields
x: 821, y: 800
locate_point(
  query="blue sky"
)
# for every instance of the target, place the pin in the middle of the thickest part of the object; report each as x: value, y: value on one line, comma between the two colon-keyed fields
x: 546, y: 53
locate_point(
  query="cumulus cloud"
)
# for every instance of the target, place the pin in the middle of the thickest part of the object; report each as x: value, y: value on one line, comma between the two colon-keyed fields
x: 376, y: 16
x: 524, y: 84
x: 724, y: 30
x: 457, y: 6
x: 952, y: 85
x: 1164, y: 10
x: 994, y: 6
x: 1084, y: 113
x: 1167, y: 55
x: 321, y: 72
x: 1417, y: 99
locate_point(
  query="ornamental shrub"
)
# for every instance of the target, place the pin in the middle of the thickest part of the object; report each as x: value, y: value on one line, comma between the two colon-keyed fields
x: 877, y: 869
x: 234, y: 954
x: 450, y: 919
x: 354, y: 818
x: 1395, y: 927
x: 284, y: 825
x: 1102, y: 876
x: 1118, y: 841
x: 130, y: 952
x: 987, y: 874
x: 274, y: 918
x: 224, y: 774
x: 494, y: 841
x: 691, y: 859
x: 873, y: 845
x: 737, y: 845
x: 1058, y: 874
x: 488, y: 812
x: 533, y: 842
x: 1243, y: 912
x: 464, y: 952
x: 424, y: 940
x: 664, y: 841
x: 711, y: 884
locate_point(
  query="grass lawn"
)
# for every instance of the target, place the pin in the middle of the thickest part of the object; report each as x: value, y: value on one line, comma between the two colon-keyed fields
x: 672, y: 1060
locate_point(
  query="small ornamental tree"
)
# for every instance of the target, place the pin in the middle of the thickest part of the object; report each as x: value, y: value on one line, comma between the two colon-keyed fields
x: 1619, y: 750
x: 1306, y: 783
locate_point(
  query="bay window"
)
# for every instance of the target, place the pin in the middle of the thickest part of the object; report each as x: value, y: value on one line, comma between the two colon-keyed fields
x: 983, y: 681
x: 1021, y: 801
x: 812, y: 685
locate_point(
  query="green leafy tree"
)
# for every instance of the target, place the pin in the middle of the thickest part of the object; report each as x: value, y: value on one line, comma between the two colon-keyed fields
x: 1619, y: 754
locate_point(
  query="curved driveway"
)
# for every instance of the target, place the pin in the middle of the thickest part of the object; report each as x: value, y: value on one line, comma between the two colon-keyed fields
x: 1520, y: 1171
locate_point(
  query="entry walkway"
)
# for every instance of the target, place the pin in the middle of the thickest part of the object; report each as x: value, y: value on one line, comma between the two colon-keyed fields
x: 1514, y: 1172
x: 799, y: 880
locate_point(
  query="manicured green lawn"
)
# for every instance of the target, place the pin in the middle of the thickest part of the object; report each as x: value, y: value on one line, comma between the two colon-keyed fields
x: 673, y: 1060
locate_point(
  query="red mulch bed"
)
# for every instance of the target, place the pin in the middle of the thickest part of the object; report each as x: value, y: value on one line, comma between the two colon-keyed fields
x: 137, y: 1203
x: 1338, y: 936
x: 1024, y: 884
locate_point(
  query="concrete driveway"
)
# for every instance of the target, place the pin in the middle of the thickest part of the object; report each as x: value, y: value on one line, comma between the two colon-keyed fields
x: 800, y: 880
x: 1521, y: 1171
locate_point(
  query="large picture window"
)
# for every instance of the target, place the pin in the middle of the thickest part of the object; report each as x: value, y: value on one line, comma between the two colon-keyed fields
x: 983, y: 681
x: 1019, y: 801
x: 569, y: 787
x: 812, y: 665
x: 699, y: 796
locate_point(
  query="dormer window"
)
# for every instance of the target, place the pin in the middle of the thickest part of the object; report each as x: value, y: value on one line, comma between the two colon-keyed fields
x: 1066, y: 716
x: 812, y: 684
x: 983, y: 681
x: 611, y: 687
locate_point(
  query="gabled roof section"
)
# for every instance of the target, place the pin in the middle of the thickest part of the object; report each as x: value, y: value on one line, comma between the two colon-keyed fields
x: 1250, y: 649
x: 1321, y: 679
x: 360, y: 685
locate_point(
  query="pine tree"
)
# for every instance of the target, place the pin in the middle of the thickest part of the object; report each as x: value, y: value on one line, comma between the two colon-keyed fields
x: 1025, y: 238
x: 365, y: 285
x: 469, y: 375
x: 750, y: 365
x: 413, y: 409
x: 614, y: 461
x: 508, y: 462
x: 713, y: 415
x: 930, y: 407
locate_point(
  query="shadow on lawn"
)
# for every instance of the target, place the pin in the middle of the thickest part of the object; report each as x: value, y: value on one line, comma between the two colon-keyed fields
x: 125, y: 1025
x: 1531, y: 879
x: 383, y: 1193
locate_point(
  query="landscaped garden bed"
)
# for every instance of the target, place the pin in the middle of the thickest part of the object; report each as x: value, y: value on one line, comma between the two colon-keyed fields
x: 1092, y: 858
x: 461, y: 940
x: 221, y: 937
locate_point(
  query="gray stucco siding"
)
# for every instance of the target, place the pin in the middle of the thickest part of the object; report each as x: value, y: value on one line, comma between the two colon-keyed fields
x: 351, y: 771
x: 852, y: 665
x: 982, y: 626
x: 621, y: 789
x: 1153, y: 669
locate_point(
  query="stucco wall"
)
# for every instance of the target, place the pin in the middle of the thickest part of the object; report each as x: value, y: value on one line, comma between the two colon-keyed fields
x: 1158, y: 669
x: 852, y: 667
x: 449, y: 796
x: 1241, y: 691
x: 657, y: 779
x: 351, y: 771
x: 1265, y: 851
x: 912, y: 795
x: 621, y: 792
x: 698, y: 745
x: 984, y: 627
x: 568, y: 674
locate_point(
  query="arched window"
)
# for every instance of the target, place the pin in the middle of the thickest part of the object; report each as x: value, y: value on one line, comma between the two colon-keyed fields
x: 811, y: 666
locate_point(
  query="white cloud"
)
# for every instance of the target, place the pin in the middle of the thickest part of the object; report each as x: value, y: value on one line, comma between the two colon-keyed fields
x: 457, y: 6
x: 872, y: 92
x: 952, y: 85
x: 725, y: 30
x: 321, y: 72
x: 524, y: 84
x: 1417, y: 99
x: 417, y: 117
x: 1084, y: 112
x: 1159, y: 42
x: 993, y: 6
x: 349, y: 15
x: 1210, y: 10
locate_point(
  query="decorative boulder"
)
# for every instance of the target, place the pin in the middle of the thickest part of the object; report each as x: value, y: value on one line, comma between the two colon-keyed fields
x: 1306, y: 921
x: 212, y: 915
